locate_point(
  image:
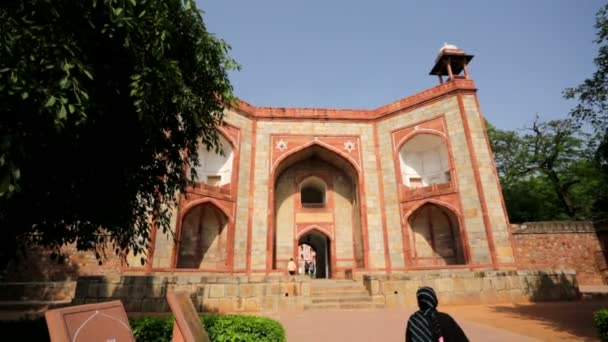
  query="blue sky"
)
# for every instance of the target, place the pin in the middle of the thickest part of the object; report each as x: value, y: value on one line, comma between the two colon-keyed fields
x: 364, y: 54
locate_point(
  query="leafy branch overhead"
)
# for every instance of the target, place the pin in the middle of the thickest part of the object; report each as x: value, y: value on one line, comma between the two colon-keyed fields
x: 100, y: 100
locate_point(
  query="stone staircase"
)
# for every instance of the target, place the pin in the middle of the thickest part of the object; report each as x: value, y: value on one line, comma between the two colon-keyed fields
x: 330, y: 295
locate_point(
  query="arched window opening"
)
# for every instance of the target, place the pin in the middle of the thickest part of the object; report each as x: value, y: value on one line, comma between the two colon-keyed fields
x: 203, y: 240
x: 435, y: 237
x: 215, y: 169
x: 313, y: 192
x: 424, y: 161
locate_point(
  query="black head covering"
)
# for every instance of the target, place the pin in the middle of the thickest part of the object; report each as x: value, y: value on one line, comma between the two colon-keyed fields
x: 423, y: 324
x: 427, y: 299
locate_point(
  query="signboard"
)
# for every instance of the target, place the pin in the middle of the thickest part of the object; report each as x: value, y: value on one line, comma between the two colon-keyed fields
x: 98, y: 322
x: 188, y: 326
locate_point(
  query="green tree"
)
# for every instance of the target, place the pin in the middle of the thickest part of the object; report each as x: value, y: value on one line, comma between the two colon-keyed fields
x: 592, y: 108
x: 100, y: 100
x: 546, y: 171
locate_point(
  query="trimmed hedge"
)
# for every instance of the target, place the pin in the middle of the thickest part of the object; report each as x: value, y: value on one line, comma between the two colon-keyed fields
x: 600, y: 319
x: 221, y: 328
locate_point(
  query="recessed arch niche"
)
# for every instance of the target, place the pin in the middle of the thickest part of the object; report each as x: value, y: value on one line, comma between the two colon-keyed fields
x: 203, y: 238
x: 215, y: 168
x: 434, y: 236
x: 424, y: 161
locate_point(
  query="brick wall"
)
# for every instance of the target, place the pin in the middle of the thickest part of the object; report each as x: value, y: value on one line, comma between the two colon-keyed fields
x: 561, y: 245
x: 38, y: 266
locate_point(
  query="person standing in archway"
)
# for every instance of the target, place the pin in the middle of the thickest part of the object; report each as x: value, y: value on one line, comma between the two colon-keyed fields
x: 291, y: 267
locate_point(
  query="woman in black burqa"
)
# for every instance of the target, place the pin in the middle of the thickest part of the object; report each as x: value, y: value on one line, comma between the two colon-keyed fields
x: 430, y: 325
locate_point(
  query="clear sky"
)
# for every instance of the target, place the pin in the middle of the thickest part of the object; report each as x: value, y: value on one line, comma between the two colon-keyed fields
x: 364, y: 54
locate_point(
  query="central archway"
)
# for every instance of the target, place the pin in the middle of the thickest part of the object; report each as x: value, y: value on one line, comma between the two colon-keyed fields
x: 319, y: 254
x: 316, y: 185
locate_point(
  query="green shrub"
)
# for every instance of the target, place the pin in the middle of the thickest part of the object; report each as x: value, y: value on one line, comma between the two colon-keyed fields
x: 152, y: 329
x: 240, y: 328
x: 600, y: 319
x: 228, y: 328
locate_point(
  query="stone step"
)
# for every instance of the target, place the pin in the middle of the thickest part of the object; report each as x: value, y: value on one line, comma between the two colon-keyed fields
x: 337, y: 289
x: 343, y: 306
x: 335, y: 283
x: 340, y: 294
x: 353, y: 300
x: 333, y: 287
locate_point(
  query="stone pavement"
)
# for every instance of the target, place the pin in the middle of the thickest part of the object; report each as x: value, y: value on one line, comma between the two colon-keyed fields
x: 547, y: 321
x: 376, y: 325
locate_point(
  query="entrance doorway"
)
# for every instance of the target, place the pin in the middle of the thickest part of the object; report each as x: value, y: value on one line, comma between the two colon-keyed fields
x: 314, y: 247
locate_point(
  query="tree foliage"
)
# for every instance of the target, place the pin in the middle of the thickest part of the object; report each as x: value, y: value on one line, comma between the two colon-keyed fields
x: 592, y: 94
x: 592, y: 104
x: 546, y: 171
x: 100, y: 101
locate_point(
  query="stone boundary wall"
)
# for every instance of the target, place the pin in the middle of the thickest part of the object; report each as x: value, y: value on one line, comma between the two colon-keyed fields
x: 553, y: 227
x: 561, y: 245
x: 474, y: 287
x: 44, y: 291
x: 209, y: 294
x: 234, y: 294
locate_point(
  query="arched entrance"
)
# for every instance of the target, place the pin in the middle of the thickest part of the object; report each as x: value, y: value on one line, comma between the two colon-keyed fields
x: 203, y: 238
x: 316, y: 185
x: 435, y: 237
x: 314, y: 247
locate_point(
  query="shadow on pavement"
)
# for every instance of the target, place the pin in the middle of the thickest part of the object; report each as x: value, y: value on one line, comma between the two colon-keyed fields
x: 575, y: 318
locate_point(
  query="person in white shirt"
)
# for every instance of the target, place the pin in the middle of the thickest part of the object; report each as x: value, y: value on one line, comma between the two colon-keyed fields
x: 291, y: 267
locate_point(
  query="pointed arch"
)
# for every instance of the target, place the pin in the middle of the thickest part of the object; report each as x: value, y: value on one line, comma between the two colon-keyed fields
x: 280, y: 160
x: 317, y: 228
x: 324, y: 247
x: 184, y: 210
x: 336, y: 158
x: 224, y: 132
x: 214, y: 169
x: 432, y: 201
x: 419, y: 131
x: 434, y: 235
x: 203, y: 237
x: 424, y: 159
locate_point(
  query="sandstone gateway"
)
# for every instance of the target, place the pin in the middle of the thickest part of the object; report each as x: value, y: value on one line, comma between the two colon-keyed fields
x: 410, y: 185
x: 388, y: 199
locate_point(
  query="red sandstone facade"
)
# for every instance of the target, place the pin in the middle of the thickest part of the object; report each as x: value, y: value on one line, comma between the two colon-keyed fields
x: 408, y: 186
x: 371, y: 215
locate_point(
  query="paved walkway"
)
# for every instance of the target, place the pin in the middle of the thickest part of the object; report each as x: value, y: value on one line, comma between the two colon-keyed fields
x: 564, y: 321
x: 385, y: 326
